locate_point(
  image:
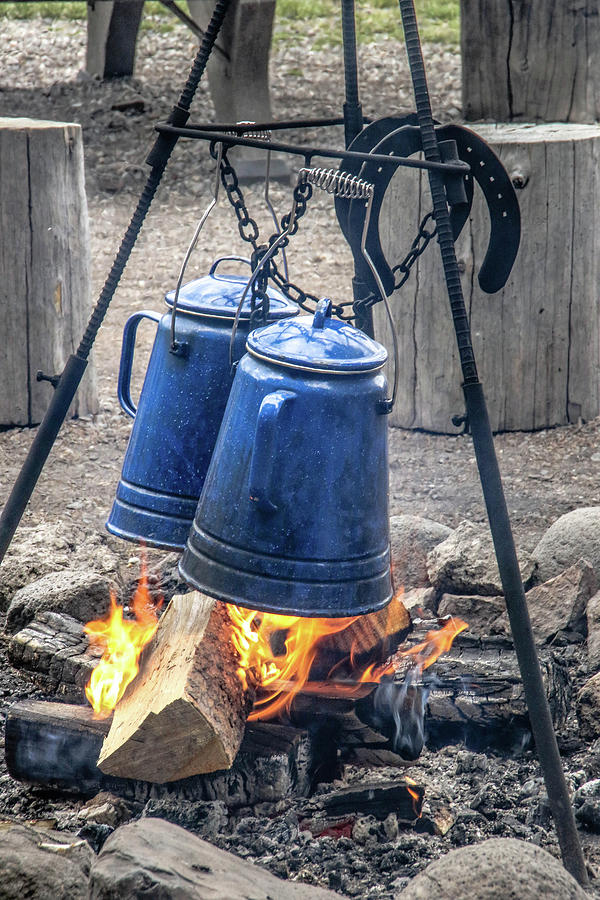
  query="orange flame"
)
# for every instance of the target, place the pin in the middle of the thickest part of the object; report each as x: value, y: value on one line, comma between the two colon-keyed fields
x: 410, y: 785
x: 287, y: 672
x: 123, y: 641
x: 252, y: 634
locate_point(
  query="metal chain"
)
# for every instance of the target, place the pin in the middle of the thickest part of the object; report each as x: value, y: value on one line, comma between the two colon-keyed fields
x: 418, y: 246
x: 249, y: 233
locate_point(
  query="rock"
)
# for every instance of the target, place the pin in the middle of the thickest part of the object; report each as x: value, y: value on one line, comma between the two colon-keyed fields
x: 588, y: 709
x: 465, y: 563
x: 41, y: 864
x: 38, y: 551
x: 105, y: 809
x: 50, y: 547
x: 573, y: 536
x: 593, y: 629
x: 205, y: 818
x: 559, y: 605
x: 497, y: 868
x: 80, y: 593
x: 411, y: 539
x: 586, y: 801
x: 153, y: 858
x: 418, y: 599
x: 479, y: 612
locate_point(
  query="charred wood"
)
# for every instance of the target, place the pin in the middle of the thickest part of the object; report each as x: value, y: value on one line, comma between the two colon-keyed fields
x: 56, y: 745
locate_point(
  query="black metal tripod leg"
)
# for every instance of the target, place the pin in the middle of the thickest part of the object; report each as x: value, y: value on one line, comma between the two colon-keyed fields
x: 76, y: 365
x: 520, y: 624
x: 514, y: 594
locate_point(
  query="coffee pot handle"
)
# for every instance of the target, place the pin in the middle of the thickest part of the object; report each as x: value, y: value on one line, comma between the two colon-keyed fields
x: 129, y: 336
x: 263, y: 465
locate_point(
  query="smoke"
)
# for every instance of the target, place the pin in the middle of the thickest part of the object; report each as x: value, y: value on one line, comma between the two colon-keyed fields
x: 399, y: 712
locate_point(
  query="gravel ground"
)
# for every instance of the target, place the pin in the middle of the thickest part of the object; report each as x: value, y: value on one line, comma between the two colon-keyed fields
x: 546, y: 473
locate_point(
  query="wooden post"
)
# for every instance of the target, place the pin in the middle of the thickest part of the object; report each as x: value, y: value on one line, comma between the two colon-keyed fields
x: 112, y: 29
x: 239, y: 80
x: 536, y: 341
x: 531, y: 62
x: 45, y: 296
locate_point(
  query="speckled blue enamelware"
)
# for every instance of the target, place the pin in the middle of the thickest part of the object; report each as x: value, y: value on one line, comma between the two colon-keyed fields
x: 293, y: 516
x: 180, y: 407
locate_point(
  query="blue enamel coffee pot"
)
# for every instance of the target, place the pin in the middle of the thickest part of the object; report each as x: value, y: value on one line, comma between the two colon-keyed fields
x: 181, y: 405
x: 293, y: 516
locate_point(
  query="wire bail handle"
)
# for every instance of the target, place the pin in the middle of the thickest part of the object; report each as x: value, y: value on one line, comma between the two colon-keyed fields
x: 351, y: 187
x: 179, y: 348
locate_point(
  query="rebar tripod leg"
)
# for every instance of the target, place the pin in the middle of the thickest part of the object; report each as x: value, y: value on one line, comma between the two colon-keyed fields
x: 76, y: 364
x: 491, y: 483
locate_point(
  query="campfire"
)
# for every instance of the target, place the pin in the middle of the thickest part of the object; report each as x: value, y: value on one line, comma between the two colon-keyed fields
x: 211, y: 667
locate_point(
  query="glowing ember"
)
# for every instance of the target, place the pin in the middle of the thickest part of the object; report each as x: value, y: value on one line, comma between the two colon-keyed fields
x: 287, y: 672
x: 410, y: 785
x: 123, y: 641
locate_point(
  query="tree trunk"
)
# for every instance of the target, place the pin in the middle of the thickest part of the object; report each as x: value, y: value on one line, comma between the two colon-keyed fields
x: 239, y: 78
x: 537, y: 341
x: 45, y: 296
x: 112, y: 29
x: 531, y: 62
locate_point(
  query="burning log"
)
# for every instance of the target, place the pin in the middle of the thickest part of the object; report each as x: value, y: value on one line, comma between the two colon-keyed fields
x: 378, y: 798
x: 57, y: 745
x: 369, y: 640
x: 186, y: 711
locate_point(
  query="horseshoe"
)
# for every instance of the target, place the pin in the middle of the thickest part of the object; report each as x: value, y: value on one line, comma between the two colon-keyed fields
x: 401, y: 137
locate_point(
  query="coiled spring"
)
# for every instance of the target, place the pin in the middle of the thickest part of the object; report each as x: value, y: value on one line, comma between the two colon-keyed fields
x: 260, y: 134
x: 340, y: 184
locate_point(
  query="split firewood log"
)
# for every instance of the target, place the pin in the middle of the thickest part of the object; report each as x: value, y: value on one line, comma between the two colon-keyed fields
x: 185, y: 712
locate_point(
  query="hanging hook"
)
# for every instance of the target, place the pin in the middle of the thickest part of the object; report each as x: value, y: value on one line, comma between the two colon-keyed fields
x: 177, y: 347
x: 386, y: 405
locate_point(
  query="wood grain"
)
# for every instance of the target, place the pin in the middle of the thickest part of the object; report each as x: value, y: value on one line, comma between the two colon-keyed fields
x: 531, y: 62
x: 185, y: 712
x: 536, y: 341
x: 45, y: 297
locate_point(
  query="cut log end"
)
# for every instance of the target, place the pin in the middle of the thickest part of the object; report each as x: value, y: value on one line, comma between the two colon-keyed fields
x: 186, y: 711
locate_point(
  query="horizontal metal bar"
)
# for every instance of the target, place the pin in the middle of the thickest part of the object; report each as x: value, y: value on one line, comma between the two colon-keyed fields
x: 457, y: 168
x: 279, y: 125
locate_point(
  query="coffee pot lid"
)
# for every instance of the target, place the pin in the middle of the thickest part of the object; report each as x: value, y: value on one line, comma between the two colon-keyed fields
x: 318, y: 343
x: 218, y: 295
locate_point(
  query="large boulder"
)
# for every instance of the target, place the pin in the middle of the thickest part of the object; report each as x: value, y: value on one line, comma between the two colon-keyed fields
x: 497, y: 869
x: 465, y: 563
x: 154, y: 859
x: 80, y: 593
x: 480, y: 612
x: 42, y: 865
x: 593, y: 629
x: 573, y: 536
x: 588, y: 709
x: 411, y: 539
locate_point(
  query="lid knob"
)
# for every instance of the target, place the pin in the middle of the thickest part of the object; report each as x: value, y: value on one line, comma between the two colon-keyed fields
x: 322, y: 312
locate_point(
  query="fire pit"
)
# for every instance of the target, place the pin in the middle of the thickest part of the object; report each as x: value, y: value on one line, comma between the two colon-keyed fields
x: 364, y: 583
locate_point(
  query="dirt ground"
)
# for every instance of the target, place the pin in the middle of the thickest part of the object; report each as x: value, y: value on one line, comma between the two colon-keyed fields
x: 546, y: 473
